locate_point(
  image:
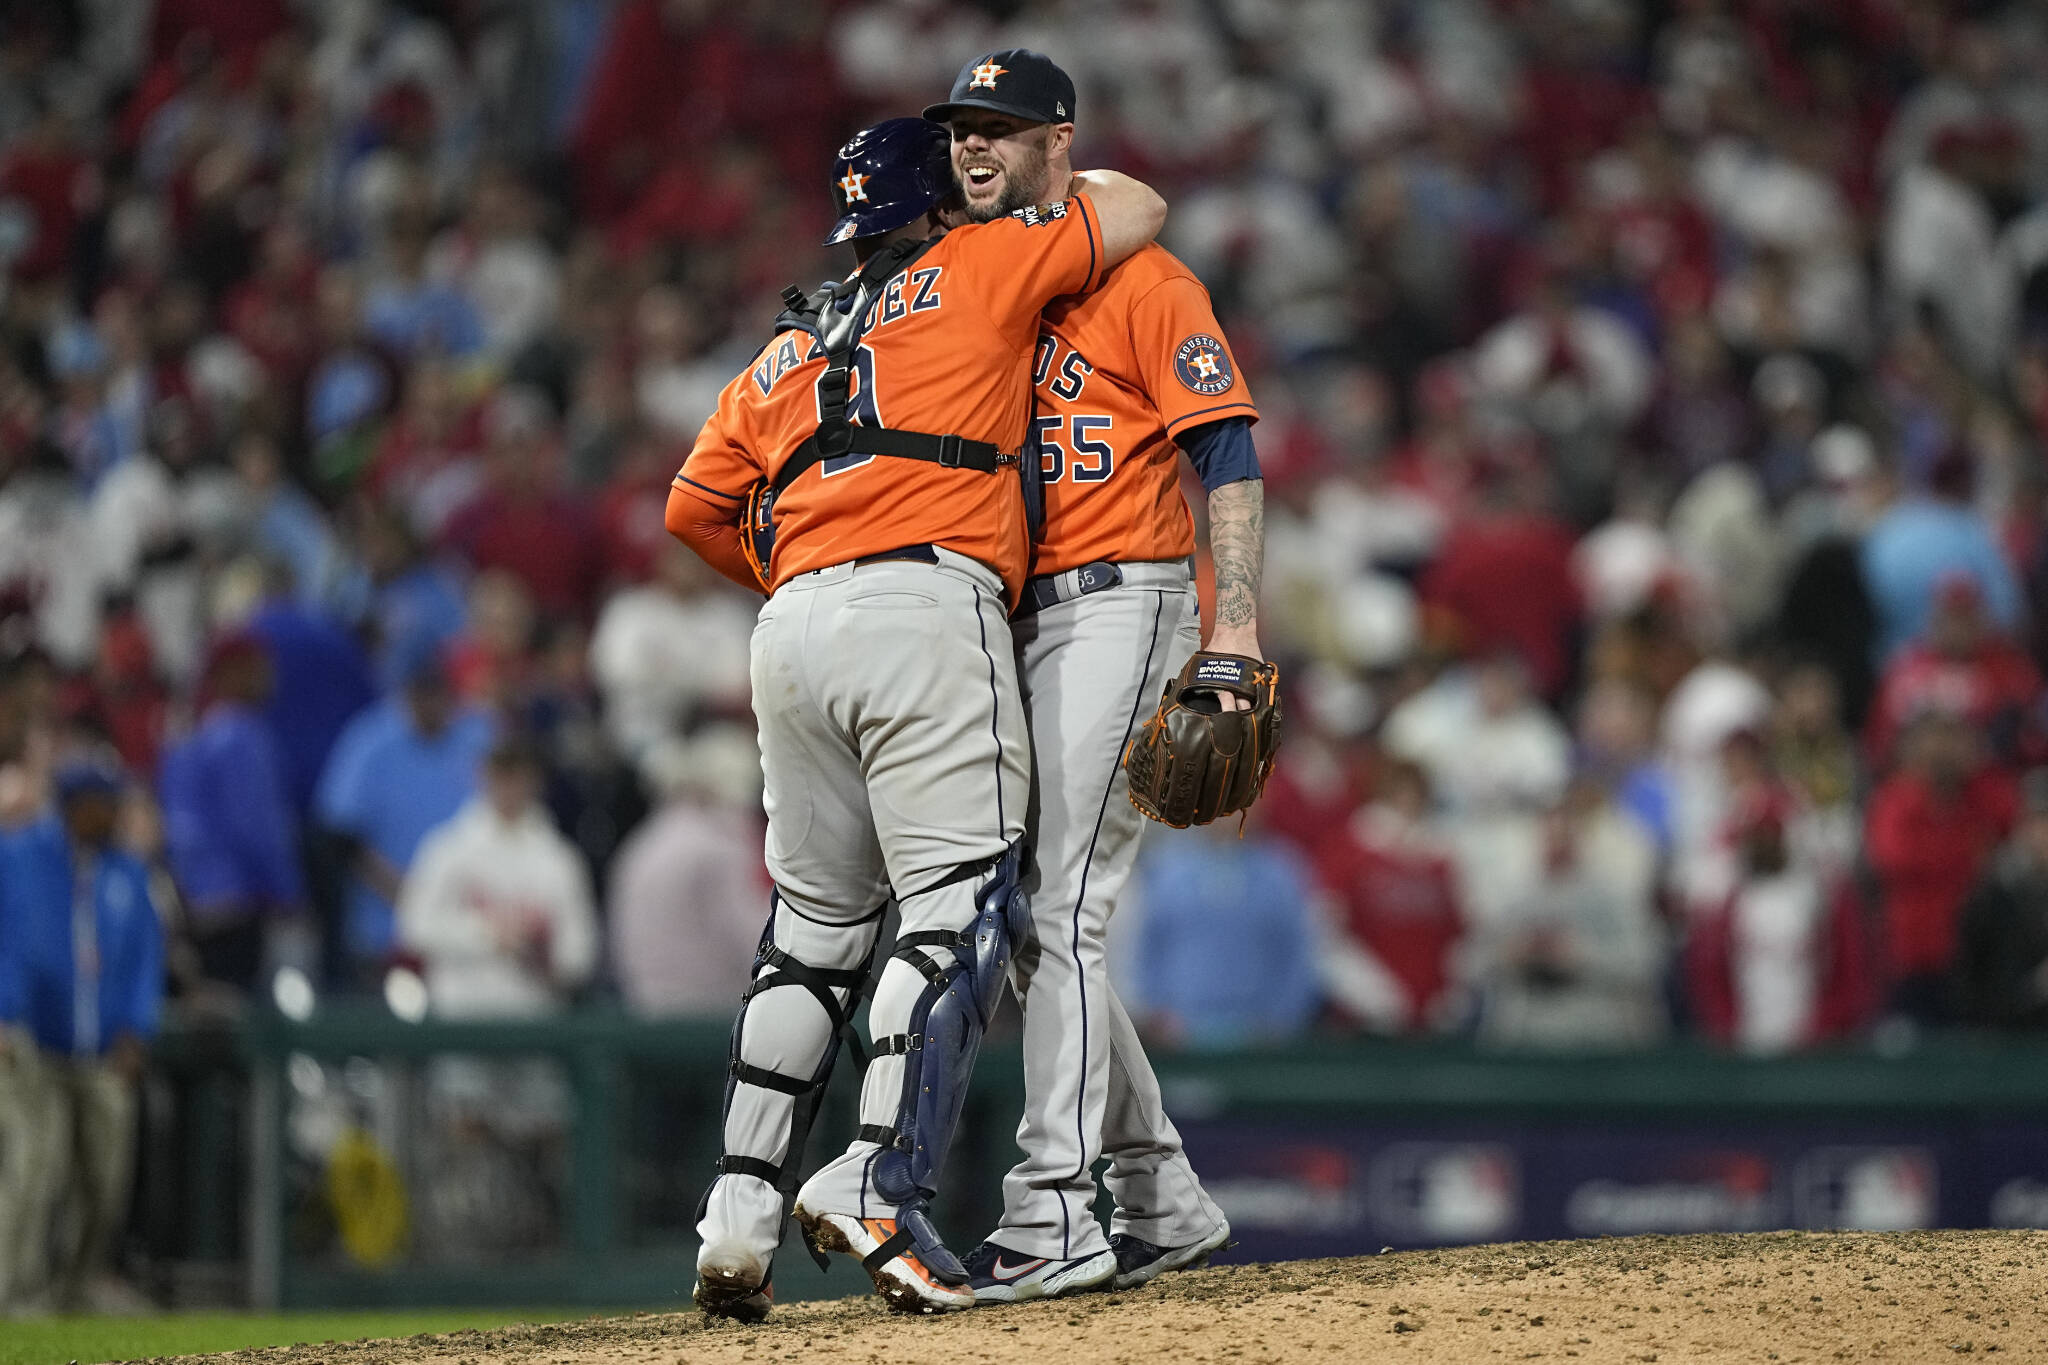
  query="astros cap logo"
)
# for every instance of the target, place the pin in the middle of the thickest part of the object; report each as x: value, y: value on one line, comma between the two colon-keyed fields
x: 852, y: 183
x: 985, y: 76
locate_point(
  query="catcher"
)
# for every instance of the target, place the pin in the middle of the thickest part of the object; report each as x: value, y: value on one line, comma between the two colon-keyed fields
x: 1127, y: 378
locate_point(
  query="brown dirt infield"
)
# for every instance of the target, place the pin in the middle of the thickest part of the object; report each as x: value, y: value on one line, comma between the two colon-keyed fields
x: 1783, y: 1297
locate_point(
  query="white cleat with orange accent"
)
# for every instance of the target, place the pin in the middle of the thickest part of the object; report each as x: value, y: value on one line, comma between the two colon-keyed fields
x: 884, y: 1250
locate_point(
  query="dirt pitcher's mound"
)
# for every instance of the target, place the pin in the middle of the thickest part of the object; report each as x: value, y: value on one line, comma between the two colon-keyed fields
x: 1786, y: 1297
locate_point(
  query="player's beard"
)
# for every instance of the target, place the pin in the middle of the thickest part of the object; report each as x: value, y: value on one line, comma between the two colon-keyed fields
x: 1024, y: 184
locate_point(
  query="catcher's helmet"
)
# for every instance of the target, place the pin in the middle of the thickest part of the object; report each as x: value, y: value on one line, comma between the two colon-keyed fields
x: 889, y: 175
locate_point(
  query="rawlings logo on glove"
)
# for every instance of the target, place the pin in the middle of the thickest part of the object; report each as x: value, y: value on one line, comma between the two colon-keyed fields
x: 1194, y: 761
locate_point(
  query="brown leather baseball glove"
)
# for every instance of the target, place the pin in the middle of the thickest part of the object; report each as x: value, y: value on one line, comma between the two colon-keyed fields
x: 1194, y: 761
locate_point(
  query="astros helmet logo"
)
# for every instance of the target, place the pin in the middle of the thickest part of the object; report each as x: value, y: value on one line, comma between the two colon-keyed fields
x: 985, y: 76
x: 853, y: 184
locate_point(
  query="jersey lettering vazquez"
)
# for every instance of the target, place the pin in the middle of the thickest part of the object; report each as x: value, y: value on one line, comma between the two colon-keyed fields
x: 1119, y: 374
x: 946, y: 350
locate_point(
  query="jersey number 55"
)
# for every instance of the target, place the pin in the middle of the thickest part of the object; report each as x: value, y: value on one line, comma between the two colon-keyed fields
x: 1090, y: 460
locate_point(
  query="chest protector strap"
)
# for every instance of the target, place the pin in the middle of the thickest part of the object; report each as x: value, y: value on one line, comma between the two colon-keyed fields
x: 838, y: 330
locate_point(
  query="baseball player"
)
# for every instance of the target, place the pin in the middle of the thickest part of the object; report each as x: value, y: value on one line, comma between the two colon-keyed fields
x: 1126, y: 377
x: 885, y: 415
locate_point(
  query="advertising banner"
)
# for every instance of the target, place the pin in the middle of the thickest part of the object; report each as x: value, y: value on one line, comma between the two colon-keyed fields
x: 1313, y: 1188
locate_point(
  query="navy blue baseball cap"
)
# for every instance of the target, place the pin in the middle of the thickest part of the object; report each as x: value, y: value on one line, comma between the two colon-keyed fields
x: 86, y: 777
x: 1015, y: 81
x: 889, y: 175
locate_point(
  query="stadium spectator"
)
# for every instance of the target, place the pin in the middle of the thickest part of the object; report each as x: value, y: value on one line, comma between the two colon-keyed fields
x: 285, y: 525
x: 523, y: 521
x: 88, y: 959
x: 1616, y: 743
x: 404, y: 307
x: 229, y: 819
x: 494, y: 662
x: 399, y: 769
x: 496, y: 903
x: 1812, y: 751
x: 123, y: 697
x: 1512, y: 538
x: 1573, y: 955
x: 495, y: 259
x: 416, y: 606
x: 1223, y: 949
x: 24, y: 1104
x: 2001, y: 964
x: 688, y: 897
x: 1486, y: 744
x: 664, y: 650
x: 320, y: 680
x: 1495, y: 759
x: 1931, y: 827
x: 1914, y: 546
x: 1782, y: 962
x: 1393, y: 927
x: 1967, y: 666
x: 1826, y: 610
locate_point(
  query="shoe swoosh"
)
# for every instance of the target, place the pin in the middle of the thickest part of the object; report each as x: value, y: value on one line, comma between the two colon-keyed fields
x: 1003, y: 1270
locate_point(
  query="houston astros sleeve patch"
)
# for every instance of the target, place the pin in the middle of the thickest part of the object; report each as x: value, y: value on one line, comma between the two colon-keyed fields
x: 1203, y: 365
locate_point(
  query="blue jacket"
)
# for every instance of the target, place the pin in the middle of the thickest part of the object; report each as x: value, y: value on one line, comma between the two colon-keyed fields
x: 1910, y: 549
x: 1225, y: 944
x: 321, y: 679
x: 78, y: 971
x: 387, y: 785
x: 228, y: 824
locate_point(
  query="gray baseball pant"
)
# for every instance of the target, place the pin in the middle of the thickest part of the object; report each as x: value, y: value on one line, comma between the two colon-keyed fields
x: 1092, y: 670
x: 893, y: 751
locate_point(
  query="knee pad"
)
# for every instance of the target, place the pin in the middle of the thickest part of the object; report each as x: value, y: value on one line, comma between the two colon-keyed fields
x: 946, y: 1025
x: 837, y: 991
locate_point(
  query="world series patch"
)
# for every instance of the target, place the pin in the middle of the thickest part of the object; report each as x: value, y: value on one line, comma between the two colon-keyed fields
x: 1203, y: 365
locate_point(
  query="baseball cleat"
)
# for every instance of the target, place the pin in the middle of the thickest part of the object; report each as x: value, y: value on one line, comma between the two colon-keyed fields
x: 903, y: 1281
x: 733, y: 1285
x: 999, y: 1275
x: 1138, y: 1261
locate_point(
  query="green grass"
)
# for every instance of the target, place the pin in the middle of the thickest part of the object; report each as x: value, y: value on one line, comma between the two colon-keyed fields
x: 56, y: 1341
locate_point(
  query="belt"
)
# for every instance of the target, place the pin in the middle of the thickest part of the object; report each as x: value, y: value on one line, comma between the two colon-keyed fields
x: 924, y: 552
x: 1050, y: 589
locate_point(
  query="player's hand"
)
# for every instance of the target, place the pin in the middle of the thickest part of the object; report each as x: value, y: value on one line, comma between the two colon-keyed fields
x: 1234, y: 640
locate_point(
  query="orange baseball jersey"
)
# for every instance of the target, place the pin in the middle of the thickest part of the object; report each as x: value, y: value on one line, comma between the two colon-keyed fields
x: 947, y: 349
x: 1119, y: 374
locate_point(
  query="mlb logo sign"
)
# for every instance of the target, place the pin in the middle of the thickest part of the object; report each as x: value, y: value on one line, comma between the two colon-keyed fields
x: 1445, y: 1192
x: 1866, y: 1189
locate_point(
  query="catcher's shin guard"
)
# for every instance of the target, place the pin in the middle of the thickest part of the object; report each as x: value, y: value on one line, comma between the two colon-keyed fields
x: 834, y: 993
x: 965, y: 975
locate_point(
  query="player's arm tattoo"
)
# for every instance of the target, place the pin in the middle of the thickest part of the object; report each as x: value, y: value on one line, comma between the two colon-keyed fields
x: 1237, y: 544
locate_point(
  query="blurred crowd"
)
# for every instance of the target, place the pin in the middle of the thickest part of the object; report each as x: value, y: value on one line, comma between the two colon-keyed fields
x: 1654, y: 398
